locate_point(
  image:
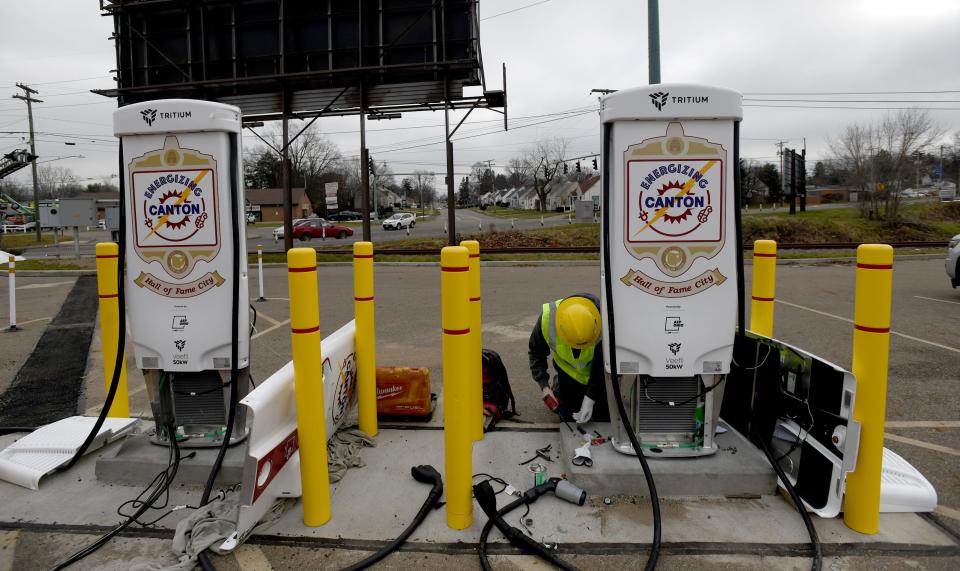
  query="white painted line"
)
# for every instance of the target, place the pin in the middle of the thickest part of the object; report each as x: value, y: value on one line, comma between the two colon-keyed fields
x: 904, y: 335
x: 33, y: 320
x: 41, y: 286
x: 923, y: 424
x: 920, y: 297
x: 251, y: 558
x: 269, y: 329
x: 922, y: 444
x: 267, y: 317
x: 948, y: 512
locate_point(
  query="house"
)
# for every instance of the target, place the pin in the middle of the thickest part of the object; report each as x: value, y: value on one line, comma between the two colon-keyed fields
x: 486, y: 198
x: 527, y: 198
x: 559, y: 197
x: 267, y: 203
x: 590, y: 189
x: 509, y: 198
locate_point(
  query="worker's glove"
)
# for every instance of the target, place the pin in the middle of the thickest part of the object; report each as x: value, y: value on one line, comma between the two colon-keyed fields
x: 550, y: 399
x: 586, y: 411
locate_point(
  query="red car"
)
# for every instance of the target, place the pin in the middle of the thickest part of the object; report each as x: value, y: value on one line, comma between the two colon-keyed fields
x: 320, y: 228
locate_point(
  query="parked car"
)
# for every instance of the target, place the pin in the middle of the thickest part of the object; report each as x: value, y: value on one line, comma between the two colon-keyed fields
x: 344, y: 215
x: 278, y: 232
x: 320, y: 228
x: 952, y: 262
x: 400, y: 221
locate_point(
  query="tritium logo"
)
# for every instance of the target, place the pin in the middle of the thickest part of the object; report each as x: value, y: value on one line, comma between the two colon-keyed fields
x: 659, y: 99
x: 149, y: 116
x: 674, y: 348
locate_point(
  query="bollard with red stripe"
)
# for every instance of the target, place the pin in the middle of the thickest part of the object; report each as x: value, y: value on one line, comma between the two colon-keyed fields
x: 365, y: 339
x: 457, y: 420
x: 764, y: 287
x: 108, y: 256
x: 308, y: 384
x: 476, y: 341
x: 871, y: 350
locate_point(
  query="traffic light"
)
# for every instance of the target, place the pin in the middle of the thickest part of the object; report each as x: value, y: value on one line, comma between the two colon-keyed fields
x: 578, y: 166
x: 594, y: 164
x: 564, y: 168
x: 370, y: 165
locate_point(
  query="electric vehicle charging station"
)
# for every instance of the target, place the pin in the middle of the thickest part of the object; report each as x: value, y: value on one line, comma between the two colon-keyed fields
x: 669, y: 260
x: 186, y: 270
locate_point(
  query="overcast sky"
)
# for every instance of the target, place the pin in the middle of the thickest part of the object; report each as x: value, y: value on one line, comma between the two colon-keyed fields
x: 556, y: 52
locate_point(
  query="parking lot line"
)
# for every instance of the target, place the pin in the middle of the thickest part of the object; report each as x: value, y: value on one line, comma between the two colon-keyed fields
x: 948, y: 512
x: 269, y: 329
x: 42, y: 285
x: 922, y: 424
x: 920, y: 297
x: 898, y: 334
x: 921, y: 444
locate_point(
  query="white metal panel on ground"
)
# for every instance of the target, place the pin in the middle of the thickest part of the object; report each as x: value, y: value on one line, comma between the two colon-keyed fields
x: 903, y: 488
x: 44, y: 450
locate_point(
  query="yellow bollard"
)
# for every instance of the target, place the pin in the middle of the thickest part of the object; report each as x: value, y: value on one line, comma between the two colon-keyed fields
x: 107, y: 262
x: 871, y: 349
x: 308, y: 384
x: 365, y: 342
x: 764, y: 287
x: 457, y: 422
x: 475, y: 397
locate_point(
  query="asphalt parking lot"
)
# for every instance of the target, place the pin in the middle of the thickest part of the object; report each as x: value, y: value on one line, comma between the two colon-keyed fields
x: 814, y: 311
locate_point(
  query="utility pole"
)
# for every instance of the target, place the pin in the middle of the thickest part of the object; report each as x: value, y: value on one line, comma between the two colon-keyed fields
x: 783, y: 177
x: 653, y: 39
x: 918, y: 171
x: 33, y: 151
x: 940, y: 179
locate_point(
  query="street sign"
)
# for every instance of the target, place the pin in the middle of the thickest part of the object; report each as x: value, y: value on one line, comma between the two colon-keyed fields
x: 330, y: 193
x: 937, y: 170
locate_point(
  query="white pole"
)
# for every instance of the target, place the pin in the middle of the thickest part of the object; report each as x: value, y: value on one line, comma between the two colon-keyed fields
x: 511, y: 223
x: 260, y: 271
x: 76, y: 241
x: 12, y: 282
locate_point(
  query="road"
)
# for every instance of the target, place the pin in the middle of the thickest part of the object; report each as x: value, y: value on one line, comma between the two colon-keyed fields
x: 467, y: 222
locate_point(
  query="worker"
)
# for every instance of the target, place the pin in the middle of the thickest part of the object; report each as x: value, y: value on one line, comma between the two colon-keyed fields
x: 569, y: 330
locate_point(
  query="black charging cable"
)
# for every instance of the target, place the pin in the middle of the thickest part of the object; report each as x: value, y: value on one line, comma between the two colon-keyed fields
x: 424, y: 475
x: 614, y: 376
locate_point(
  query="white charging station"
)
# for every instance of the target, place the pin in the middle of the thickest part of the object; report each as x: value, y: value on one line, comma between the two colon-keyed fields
x: 670, y: 238
x: 183, y: 206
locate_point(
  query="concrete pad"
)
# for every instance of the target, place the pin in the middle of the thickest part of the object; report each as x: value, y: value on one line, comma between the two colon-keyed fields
x: 736, y: 469
x: 137, y: 460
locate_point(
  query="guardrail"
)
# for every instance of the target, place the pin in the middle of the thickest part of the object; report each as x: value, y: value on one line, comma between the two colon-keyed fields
x: 596, y: 249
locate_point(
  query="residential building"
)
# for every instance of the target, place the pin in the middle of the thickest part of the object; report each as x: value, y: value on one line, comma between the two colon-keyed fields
x: 267, y: 203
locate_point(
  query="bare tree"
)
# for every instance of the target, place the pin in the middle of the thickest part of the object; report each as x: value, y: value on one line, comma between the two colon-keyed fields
x: 545, y: 161
x: 878, y: 157
x: 56, y: 182
x: 423, y: 184
x: 518, y: 172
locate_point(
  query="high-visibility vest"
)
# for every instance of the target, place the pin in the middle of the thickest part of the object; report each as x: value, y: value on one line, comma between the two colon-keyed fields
x: 577, y: 367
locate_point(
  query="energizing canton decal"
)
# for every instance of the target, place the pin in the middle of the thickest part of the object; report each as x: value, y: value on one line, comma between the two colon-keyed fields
x: 674, y: 210
x: 173, y: 195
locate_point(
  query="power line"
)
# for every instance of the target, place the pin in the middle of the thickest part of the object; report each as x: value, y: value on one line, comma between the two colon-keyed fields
x: 515, y: 10
x: 854, y: 100
x: 847, y: 92
x: 850, y: 107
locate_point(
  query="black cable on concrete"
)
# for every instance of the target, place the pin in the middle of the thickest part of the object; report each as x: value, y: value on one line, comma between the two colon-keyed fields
x: 165, y: 480
x: 424, y: 475
x: 202, y: 557
x: 121, y: 331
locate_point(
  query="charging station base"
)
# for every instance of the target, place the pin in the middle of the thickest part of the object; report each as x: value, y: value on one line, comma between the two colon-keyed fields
x: 137, y: 461
x: 738, y: 469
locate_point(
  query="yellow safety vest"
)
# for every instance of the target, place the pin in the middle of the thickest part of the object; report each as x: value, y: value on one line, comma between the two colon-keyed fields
x: 577, y: 367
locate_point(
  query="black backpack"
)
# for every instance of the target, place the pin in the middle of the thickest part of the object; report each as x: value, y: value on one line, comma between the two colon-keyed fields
x: 498, y: 401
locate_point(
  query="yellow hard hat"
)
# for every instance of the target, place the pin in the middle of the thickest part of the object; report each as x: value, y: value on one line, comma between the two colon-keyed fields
x: 578, y: 322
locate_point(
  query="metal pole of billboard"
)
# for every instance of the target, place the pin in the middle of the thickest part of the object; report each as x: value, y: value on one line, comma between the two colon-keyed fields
x: 287, y: 188
x: 451, y: 198
x: 364, y: 171
x: 653, y: 39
